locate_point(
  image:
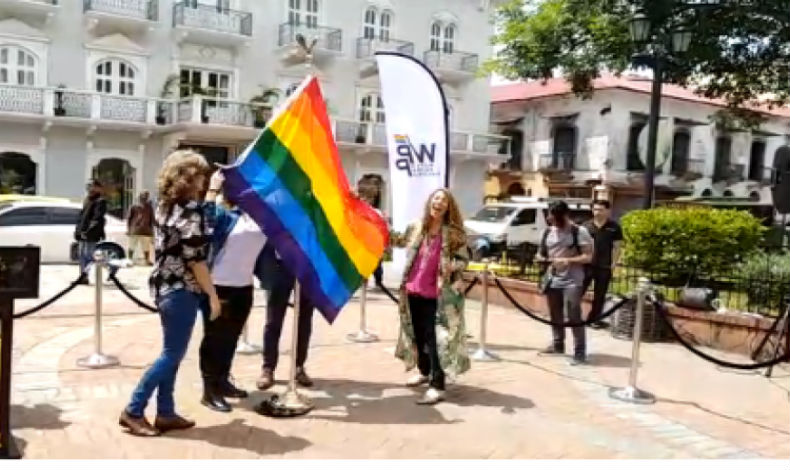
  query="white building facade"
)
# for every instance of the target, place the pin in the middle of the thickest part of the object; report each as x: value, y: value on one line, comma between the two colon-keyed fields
x: 564, y: 146
x: 83, y: 84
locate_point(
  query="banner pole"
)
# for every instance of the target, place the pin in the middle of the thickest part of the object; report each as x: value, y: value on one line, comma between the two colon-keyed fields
x: 8, y: 448
x: 98, y: 360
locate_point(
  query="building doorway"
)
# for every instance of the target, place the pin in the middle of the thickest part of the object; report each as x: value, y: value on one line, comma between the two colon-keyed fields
x: 118, y: 178
x: 214, y: 154
x: 17, y: 173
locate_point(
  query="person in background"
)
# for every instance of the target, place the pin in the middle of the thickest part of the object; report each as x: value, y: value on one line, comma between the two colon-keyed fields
x: 607, y: 238
x: 431, y: 308
x: 236, y: 256
x: 565, y: 248
x: 280, y: 283
x: 179, y: 278
x: 140, y: 227
x: 90, y: 226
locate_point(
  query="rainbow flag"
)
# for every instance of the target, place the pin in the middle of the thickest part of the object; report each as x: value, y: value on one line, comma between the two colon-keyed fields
x: 291, y: 182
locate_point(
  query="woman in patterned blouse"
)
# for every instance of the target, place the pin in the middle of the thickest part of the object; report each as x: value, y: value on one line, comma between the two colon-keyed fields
x: 179, y: 277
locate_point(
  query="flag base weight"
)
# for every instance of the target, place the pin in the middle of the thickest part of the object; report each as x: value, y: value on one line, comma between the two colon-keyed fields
x: 291, y: 404
x: 98, y: 361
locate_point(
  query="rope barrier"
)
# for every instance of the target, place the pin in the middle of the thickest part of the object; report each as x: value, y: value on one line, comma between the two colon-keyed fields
x: 394, y: 298
x: 131, y: 297
x: 660, y: 307
x: 537, y: 318
x: 49, y: 302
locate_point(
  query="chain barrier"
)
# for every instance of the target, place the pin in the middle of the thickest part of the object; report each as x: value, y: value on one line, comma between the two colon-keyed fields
x: 587, y: 322
x: 49, y: 302
x: 394, y: 298
x: 664, y: 314
x: 131, y: 296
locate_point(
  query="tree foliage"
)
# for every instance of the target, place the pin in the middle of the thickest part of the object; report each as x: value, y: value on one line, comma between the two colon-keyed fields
x: 740, y: 49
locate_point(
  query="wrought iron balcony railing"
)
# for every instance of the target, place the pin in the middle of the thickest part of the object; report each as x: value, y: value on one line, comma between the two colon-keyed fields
x: 330, y: 39
x: 142, y: 9
x: 366, y: 47
x: 457, y: 61
x: 561, y: 161
x: 212, y: 18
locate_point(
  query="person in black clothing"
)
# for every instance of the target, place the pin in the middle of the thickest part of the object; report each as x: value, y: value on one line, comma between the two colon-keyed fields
x: 607, y: 236
x: 90, y: 226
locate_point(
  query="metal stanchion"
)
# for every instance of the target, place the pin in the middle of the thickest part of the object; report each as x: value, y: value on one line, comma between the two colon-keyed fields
x: 98, y: 360
x: 632, y: 394
x: 293, y: 400
x: 245, y: 347
x: 482, y: 354
x: 363, y: 336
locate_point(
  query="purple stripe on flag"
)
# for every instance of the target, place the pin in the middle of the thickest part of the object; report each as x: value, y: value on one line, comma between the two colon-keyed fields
x: 295, y: 259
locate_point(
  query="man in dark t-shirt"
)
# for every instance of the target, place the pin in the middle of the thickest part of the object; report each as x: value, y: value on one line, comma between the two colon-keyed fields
x: 607, y: 237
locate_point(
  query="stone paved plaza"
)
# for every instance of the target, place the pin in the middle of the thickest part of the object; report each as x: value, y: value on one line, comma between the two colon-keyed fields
x: 524, y: 406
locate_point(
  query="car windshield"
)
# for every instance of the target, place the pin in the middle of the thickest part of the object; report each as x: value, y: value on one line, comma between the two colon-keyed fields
x: 493, y: 214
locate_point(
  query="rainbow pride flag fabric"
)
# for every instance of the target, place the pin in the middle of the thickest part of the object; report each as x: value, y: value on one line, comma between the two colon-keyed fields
x: 291, y: 182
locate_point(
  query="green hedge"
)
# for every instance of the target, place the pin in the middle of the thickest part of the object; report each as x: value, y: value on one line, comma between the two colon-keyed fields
x: 765, y: 279
x: 683, y: 241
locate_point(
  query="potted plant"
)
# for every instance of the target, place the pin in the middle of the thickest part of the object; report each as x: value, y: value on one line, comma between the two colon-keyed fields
x: 261, y: 103
x: 166, y: 93
x: 59, y: 110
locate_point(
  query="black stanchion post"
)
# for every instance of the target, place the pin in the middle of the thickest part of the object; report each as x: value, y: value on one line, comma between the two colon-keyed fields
x: 8, y: 448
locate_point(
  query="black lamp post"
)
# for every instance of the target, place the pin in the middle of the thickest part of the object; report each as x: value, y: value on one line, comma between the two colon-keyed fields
x: 662, y: 39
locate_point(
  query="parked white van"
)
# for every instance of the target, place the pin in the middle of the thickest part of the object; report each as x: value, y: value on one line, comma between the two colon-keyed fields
x: 519, y: 221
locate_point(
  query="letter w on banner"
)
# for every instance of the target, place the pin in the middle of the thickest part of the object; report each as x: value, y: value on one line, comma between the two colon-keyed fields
x: 417, y: 136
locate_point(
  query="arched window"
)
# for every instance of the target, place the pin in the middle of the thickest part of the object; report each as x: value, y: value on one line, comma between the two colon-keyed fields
x: 371, y: 109
x: 448, y: 46
x: 369, y: 30
x: 17, y: 66
x: 115, y: 76
x: 436, y: 36
x: 386, y: 24
x: 303, y: 12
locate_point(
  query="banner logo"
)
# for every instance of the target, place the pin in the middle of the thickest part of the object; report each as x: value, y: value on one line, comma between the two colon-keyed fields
x: 415, y: 161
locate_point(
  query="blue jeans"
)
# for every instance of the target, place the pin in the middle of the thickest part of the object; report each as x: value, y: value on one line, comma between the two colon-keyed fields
x: 177, y: 311
x: 86, y: 250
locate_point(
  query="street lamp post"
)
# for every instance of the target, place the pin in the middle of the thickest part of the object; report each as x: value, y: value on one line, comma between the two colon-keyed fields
x: 661, y: 39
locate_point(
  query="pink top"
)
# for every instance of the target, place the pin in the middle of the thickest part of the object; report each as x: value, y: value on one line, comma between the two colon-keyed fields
x: 423, y: 278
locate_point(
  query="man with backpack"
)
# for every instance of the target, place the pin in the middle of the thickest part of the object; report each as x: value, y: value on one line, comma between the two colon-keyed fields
x: 564, y: 250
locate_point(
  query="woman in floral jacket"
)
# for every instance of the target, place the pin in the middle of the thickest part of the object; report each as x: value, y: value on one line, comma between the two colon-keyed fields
x: 432, y: 326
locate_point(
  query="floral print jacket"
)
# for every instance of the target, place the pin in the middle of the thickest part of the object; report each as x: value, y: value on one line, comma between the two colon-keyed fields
x: 450, y: 322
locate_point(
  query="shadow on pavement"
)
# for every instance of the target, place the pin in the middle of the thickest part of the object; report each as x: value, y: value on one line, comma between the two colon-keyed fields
x: 41, y: 416
x: 608, y: 360
x: 239, y: 435
x: 365, y: 403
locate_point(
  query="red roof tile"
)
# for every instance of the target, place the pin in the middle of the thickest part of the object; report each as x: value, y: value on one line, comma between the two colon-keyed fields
x: 558, y: 86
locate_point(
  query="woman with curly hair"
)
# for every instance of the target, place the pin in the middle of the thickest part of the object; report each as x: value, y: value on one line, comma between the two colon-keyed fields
x: 432, y: 327
x: 179, y: 278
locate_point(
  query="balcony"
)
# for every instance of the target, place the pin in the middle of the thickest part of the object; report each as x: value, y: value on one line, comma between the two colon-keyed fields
x: 41, y: 10
x: 212, y: 25
x: 452, y: 67
x: 731, y: 173
x: 123, y: 14
x: 329, y: 42
x: 366, y: 49
x: 556, y: 163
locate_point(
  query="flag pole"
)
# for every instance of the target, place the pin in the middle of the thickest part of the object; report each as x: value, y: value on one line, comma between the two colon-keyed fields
x: 293, y: 400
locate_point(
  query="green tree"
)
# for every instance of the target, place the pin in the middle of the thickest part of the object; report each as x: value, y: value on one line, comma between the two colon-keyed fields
x: 740, y: 49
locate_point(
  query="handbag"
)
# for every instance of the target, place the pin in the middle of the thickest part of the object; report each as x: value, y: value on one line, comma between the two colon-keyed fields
x: 545, y: 282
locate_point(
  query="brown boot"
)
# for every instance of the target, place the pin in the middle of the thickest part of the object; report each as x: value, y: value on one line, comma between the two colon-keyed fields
x: 302, y: 378
x: 173, y: 423
x: 266, y: 380
x: 137, y: 426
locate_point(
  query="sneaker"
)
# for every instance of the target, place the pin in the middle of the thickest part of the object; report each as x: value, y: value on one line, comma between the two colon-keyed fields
x: 600, y: 325
x: 432, y: 396
x: 417, y: 380
x: 551, y: 350
x: 578, y: 360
